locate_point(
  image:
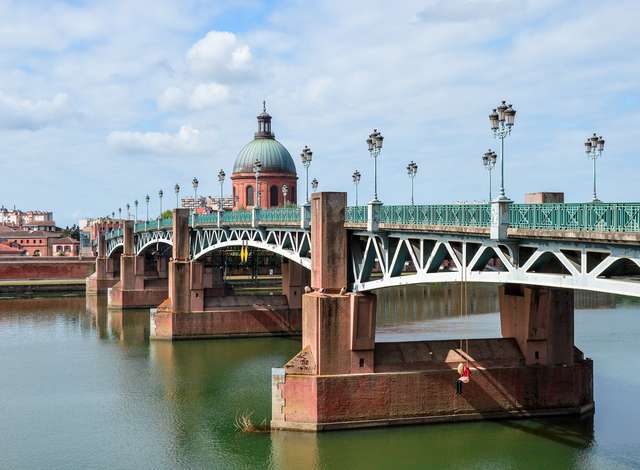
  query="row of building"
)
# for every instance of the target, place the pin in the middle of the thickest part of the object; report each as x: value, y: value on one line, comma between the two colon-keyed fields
x: 33, y: 233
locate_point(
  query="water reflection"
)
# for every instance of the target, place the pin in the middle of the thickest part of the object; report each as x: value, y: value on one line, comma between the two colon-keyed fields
x: 83, y: 387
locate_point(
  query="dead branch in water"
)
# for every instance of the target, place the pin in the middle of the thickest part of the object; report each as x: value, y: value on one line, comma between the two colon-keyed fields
x: 244, y: 423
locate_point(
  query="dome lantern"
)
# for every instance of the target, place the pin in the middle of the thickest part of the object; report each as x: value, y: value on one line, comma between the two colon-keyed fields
x: 264, y: 124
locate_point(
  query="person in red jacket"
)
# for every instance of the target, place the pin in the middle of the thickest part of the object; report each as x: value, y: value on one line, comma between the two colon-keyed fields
x: 465, y: 375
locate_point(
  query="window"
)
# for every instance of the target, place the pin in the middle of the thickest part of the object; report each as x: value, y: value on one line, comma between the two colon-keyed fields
x: 249, y: 196
x: 273, y: 196
x: 293, y: 198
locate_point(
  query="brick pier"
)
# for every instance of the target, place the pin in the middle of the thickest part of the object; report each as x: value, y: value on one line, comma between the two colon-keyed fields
x: 342, y: 378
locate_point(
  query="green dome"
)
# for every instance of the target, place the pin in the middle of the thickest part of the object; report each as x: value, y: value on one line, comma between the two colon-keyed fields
x: 272, y: 154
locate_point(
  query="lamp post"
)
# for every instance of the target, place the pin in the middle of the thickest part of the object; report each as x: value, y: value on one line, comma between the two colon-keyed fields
x: 502, y: 119
x: 160, y: 194
x: 314, y: 184
x: 489, y: 161
x: 257, y: 166
x: 176, y: 189
x: 412, y: 170
x: 128, y: 211
x: 221, y: 175
x: 374, y: 143
x: 285, y: 192
x: 593, y: 147
x: 194, y: 185
x: 146, y: 200
x: 135, y: 205
x: 306, y: 156
x: 356, y: 181
x: 119, y: 213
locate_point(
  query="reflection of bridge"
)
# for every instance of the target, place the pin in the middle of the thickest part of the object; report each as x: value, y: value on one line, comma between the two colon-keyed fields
x: 341, y: 377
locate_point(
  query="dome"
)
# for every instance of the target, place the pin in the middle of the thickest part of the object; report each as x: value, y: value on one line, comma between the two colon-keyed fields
x: 272, y: 154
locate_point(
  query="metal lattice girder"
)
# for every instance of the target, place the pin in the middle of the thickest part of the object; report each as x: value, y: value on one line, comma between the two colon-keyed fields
x: 566, y: 264
x: 145, y: 239
x: 293, y: 244
x: 113, y: 243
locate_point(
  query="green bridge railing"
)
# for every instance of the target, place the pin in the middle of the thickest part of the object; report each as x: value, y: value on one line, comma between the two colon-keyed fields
x: 596, y: 217
x: 593, y: 217
x: 459, y: 215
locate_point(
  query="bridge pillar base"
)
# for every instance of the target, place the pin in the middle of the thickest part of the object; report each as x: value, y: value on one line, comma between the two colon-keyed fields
x: 197, y: 309
x: 231, y: 317
x: 414, y: 383
x: 103, y: 278
x: 130, y: 291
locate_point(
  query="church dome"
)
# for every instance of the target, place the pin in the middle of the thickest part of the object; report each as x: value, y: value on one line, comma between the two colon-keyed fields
x: 273, y: 156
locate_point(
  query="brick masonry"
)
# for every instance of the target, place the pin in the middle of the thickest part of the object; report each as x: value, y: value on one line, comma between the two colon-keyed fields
x: 497, y: 390
x: 53, y: 269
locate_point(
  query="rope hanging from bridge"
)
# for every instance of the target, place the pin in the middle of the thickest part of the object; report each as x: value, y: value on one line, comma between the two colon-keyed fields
x: 463, y: 367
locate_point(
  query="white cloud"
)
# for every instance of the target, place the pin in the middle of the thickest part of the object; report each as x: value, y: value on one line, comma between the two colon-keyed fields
x: 171, y: 98
x: 203, y: 96
x: 219, y: 54
x: 185, y: 141
x: 207, y: 95
x: 16, y: 113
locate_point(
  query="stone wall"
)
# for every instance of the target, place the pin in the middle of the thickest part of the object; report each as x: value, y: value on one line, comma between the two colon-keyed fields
x: 41, y: 268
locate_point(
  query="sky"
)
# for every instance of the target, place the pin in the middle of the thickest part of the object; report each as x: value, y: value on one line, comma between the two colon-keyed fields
x: 102, y: 102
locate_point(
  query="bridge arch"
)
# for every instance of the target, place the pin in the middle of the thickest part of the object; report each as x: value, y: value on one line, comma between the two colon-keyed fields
x: 546, y: 263
x: 293, y: 245
x: 141, y: 249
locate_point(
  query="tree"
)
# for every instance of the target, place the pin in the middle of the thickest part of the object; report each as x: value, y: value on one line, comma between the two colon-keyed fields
x: 72, y: 232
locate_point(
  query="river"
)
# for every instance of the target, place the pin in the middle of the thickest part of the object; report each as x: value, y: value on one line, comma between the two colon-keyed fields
x: 86, y: 389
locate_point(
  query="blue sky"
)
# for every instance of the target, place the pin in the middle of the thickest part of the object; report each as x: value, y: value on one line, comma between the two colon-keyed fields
x: 102, y: 102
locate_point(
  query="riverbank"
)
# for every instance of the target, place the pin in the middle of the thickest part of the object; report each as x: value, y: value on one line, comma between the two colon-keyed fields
x: 32, y: 288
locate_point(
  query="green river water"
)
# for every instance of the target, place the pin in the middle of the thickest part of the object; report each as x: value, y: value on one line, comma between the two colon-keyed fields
x: 86, y: 389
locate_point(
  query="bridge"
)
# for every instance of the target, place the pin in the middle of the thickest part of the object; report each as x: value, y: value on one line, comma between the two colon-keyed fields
x: 536, y: 253
x: 579, y: 246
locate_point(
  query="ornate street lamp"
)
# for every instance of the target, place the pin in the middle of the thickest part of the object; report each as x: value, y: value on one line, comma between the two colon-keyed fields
x: 128, y: 211
x: 257, y: 166
x: 285, y: 193
x: 135, y: 204
x: 119, y: 213
x: 356, y: 181
x: 314, y: 184
x: 176, y: 189
x: 374, y: 143
x: 306, y: 156
x: 160, y: 194
x: 593, y: 147
x: 489, y: 162
x: 147, y: 199
x: 412, y: 170
x: 221, y: 175
x: 502, y: 119
x: 194, y: 184
x: 113, y: 214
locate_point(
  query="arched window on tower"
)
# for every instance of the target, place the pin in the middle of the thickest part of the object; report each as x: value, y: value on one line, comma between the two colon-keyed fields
x: 273, y: 196
x: 249, y: 196
x: 293, y: 198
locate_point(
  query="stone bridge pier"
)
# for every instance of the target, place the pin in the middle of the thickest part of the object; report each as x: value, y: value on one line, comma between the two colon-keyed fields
x: 342, y: 378
x: 141, y: 284
x: 105, y: 275
x: 197, y: 306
